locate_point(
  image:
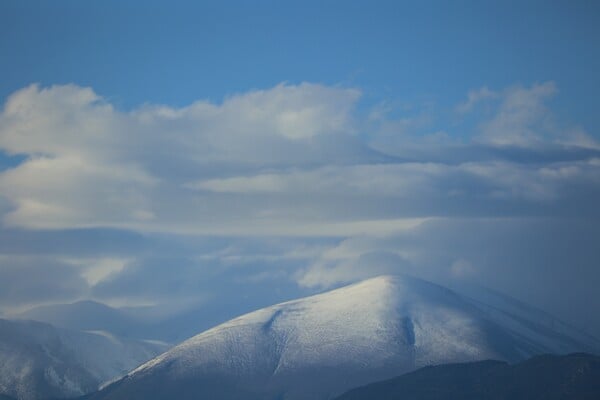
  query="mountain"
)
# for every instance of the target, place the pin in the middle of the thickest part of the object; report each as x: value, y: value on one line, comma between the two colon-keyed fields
x: 548, y: 377
x: 87, y: 316
x: 40, y: 361
x: 133, y: 322
x: 321, y: 346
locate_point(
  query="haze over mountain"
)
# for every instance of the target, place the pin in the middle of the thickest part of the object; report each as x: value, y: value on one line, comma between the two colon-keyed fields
x: 40, y: 361
x: 87, y: 315
x: 321, y: 346
x: 134, y: 322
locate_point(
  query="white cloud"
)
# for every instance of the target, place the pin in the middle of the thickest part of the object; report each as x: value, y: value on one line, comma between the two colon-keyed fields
x: 289, y: 160
x: 91, y: 165
x: 326, y: 273
x: 522, y: 118
x: 95, y: 270
x: 359, y: 257
x: 70, y: 191
x: 414, y: 180
x: 475, y: 97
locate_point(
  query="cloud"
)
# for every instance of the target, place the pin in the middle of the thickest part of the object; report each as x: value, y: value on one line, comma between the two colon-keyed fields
x: 28, y: 280
x: 232, y: 276
x: 420, y: 189
x: 72, y: 120
x: 67, y: 192
x: 294, y: 187
x: 96, y: 270
x: 89, y: 165
x: 79, y: 243
x: 531, y: 259
x: 351, y: 260
x: 462, y: 267
x: 474, y: 97
x: 521, y: 117
x: 266, y: 162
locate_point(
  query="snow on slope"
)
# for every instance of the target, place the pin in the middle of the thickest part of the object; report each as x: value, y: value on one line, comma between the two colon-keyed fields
x: 321, y: 346
x: 40, y: 361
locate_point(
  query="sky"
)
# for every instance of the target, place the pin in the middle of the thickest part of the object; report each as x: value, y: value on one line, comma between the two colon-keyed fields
x: 186, y: 155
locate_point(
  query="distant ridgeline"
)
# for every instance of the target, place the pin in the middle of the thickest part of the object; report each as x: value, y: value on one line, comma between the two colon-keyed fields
x: 548, y: 377
x: 314, y: 348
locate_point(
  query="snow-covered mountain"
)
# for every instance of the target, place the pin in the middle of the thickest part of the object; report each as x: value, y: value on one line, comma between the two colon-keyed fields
x: 40, y: 361
x: 321, y: 346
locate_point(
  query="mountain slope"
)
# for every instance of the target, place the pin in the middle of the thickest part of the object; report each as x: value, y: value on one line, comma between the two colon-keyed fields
x: 321, y: 346
x: 40, y: 361
x: 575, y: 376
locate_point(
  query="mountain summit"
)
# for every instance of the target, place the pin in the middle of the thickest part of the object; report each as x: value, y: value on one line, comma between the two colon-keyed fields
x: 320, y: 346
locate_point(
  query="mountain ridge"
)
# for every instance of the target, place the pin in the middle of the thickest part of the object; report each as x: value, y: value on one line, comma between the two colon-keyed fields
x: 547, y: 377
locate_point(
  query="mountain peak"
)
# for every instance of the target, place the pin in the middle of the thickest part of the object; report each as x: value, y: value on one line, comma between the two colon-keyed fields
x: 371, y: 330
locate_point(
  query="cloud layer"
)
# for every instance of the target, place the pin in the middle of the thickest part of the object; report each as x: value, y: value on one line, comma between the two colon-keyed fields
x: 298, y: 184
x: 278, y: 161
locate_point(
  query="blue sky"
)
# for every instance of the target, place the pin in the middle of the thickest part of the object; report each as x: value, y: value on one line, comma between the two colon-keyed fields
x: 175, y: 53
x: 178, y: 154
